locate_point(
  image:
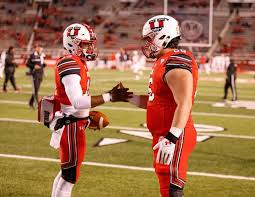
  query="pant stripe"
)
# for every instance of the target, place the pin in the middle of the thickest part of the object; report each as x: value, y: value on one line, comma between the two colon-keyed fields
x: 72, y: 147
x: 75, y: 144
x: 68, y: 142
x: 174, y: 166
x: 179, y: 156
x: 174, y: 161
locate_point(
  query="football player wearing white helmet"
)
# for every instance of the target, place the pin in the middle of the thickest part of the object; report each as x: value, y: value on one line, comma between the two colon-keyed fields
x: 80, y: 39
x: 158, y: 33
x: 171, y: 91
x: 72, y: 95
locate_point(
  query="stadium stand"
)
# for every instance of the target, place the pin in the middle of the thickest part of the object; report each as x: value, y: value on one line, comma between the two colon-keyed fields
x: 118, y: 24
x: 16, y: 21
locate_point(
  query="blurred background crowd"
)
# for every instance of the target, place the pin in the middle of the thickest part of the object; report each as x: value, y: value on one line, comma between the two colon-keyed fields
x: 214, y: 30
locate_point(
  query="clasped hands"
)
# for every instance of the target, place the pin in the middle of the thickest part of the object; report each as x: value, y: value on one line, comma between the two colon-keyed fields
x: 120, y: 93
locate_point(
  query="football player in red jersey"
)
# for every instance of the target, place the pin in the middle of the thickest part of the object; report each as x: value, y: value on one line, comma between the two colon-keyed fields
x: 72, y: 93
x: 172, y: 88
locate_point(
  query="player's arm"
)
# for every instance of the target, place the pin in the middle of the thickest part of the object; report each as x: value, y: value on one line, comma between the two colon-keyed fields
x: 180, y: 82
x: 83, y: 101
x: 139, y: 101
x: 77, y: 98
x: 69, y: 73
x: 178, y: 77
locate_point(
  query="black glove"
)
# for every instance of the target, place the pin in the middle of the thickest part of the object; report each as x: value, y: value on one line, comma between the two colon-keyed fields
x: 66, y: 120
x: 120, y: 93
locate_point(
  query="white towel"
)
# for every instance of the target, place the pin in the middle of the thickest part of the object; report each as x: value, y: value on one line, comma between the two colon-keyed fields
x: 56, y: 135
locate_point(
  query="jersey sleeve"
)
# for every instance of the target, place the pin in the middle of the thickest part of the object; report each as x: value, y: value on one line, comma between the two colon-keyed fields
x: 68, y: 66
x: 182, y: 61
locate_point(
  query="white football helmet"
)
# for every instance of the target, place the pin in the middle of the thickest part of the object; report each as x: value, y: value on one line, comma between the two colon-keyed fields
x: 80, y: 40
x: 158, y: 31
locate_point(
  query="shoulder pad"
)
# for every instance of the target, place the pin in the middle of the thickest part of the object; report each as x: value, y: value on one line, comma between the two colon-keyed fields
x: 67, y: 65
x: 179, y: 59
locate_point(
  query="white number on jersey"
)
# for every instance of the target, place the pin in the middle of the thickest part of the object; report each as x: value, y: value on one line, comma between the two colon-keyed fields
x: 150, y: 93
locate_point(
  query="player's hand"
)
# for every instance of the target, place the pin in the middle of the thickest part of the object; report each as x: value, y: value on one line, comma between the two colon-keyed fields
x: 120, y: 93
x: 165, y: 152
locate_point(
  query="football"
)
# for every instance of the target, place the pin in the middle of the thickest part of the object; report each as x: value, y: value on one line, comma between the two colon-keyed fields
x: 98, y: 120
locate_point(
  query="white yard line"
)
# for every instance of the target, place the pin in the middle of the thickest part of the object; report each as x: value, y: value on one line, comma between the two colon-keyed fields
x: 222, y: 115
x: 18, y: 120
x: 30, y: 92
x: 199, y: 94
x: 25, y: 103
x: 205, y: 102
x: 227, y: 135
x: 142, y: 110
x: 193, y: 113
x: 137, y: 129
x: 128, y: 167
x: 220, y: 96
x: 13, y: 102
x: 199, y: 133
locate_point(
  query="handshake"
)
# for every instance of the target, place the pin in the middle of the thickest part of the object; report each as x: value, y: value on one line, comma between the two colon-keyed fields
x: 120, y: 94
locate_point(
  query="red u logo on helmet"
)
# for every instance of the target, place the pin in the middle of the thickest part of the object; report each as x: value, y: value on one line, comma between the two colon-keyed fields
x: 73, y: 31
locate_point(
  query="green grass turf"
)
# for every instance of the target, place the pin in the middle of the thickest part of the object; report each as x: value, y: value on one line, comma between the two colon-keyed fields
x: 34, y: 178
x: 217, y: 155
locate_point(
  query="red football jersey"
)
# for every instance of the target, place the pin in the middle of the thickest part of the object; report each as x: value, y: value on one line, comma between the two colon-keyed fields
x: 66, y: 65
x: 161, y: 104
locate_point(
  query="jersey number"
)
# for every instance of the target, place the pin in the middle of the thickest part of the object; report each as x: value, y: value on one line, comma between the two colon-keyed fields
x: 179, y: 50
x: 150, y: 93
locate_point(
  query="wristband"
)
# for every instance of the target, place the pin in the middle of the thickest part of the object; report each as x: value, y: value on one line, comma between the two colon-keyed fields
x: 106, y: 97
x: 174, y: 134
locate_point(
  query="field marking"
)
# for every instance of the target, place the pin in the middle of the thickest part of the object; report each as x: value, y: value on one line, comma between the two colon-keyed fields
x: 204, y: 102
x: 220, y: 79
x: 217, y: 95
x: 228, y: 135
x: 25, y: 103
x: 13, y: 102
x: 193, y: 113
x: 30, y: 92
x: 198, y: 94
x: 142, y: 110
x: 137, y: 129
x: 199, y: 133
x: 222, y: 115
x: 222, y: 176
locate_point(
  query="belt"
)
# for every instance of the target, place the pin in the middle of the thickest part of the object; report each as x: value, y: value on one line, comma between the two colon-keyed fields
x: 66, y: 120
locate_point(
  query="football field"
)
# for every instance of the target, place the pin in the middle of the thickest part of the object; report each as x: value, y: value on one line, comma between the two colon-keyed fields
x: 223, y: 165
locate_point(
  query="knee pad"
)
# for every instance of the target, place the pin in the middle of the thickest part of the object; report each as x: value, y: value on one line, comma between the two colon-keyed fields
x: 176, y: 191
x: 69, y: 174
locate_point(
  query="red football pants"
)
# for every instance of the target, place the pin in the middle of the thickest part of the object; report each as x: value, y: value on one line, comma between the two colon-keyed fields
x: 72, y: 148
x: 175, y: 173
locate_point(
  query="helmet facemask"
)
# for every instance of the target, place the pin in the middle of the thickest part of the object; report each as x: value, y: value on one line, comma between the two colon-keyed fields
x: 149, y: 48
x: 88, y: 50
